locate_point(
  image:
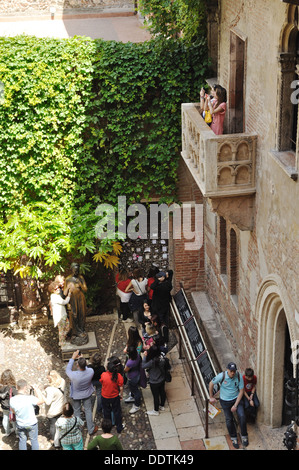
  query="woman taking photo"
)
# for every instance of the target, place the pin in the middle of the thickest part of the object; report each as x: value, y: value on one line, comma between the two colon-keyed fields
x: 7, y: 390
x: 217, y: 107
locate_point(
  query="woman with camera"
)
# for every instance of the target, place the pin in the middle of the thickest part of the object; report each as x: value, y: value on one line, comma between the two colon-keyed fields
x: 216, y: 105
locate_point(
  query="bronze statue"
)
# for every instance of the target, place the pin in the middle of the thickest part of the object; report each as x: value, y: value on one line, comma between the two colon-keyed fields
x: 75, y: 283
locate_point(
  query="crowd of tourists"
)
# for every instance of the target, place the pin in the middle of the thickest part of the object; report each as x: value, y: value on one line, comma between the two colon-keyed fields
x: 144, y: 301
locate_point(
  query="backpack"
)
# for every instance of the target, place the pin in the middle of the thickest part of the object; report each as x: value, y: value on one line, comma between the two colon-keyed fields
x: 223, y: 377
x: 167, y: 368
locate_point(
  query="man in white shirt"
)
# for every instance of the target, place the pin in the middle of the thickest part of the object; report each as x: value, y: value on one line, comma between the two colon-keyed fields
x: 22, y: 405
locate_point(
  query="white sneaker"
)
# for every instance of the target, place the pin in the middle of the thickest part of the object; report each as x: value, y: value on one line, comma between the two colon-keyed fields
x: 153, y: 413
x: 134, y: 409
x: 129, y: 399
x: 161, y: 408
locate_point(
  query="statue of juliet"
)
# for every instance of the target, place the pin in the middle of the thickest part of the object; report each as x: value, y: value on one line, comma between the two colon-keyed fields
x: 75, y: 283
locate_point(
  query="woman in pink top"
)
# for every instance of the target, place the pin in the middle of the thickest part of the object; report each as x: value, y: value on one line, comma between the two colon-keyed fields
x: 218, y: 110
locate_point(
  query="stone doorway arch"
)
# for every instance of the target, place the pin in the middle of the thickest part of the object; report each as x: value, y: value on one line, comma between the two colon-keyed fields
x: 274, y: 316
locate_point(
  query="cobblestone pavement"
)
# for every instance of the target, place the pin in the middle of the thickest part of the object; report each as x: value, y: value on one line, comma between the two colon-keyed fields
x: 32, y: 353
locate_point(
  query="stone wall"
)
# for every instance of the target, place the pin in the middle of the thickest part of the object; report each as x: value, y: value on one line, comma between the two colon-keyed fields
x: 19, y: 8
x: 273, y: 246
x: 260, y: 313
x: 269, y: 254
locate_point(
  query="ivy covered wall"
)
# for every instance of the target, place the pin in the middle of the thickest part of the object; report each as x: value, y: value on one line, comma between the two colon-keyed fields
x: 82, y: 122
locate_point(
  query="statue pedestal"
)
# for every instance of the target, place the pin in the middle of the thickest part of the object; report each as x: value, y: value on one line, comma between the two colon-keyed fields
x: 87, y: 349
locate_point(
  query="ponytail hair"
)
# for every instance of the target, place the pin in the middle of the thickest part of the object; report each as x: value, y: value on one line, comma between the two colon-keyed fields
x: 113, y: 366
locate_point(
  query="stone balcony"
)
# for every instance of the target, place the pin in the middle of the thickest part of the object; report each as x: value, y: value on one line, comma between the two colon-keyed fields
x: 223, y: 166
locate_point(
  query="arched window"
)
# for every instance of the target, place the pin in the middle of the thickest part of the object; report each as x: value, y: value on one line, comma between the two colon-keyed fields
x: 234, y: 262
x: 237, y: 83
x: 287, y: 124
x: 223, y: 246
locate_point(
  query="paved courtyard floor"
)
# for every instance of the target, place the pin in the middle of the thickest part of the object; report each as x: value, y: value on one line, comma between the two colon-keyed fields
x: 32, y: 353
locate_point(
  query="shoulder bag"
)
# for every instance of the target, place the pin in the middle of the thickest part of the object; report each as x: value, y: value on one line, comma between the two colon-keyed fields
x: 66, y: 433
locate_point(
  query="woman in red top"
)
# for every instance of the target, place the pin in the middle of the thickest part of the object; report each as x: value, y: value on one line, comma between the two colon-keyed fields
x: 112, y: 392
x: 122, y: 281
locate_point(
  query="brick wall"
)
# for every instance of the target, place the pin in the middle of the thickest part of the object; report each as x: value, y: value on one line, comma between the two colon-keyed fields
x: 188, y: 265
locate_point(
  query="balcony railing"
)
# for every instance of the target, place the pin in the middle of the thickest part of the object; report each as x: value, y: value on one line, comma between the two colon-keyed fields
x: 222, y: 165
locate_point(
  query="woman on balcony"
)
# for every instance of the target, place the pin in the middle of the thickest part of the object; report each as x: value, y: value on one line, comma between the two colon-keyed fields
x: 218, y: 110
x: 217, y: 107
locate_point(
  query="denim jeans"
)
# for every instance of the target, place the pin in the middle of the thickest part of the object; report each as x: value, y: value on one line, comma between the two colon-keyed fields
x: 87, y: 405
x: 251, y: 409
x: 24, y: 433
x: 113, y: 405
x: 159, y: 394
x: 9, y: 426
x: 226, y: 406
x: 135, y: 390
x: 98, y: 388
x: 54, y: 432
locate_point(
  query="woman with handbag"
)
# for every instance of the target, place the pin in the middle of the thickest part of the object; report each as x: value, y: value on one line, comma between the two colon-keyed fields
x: 122, y: 281
x: 69, y: 427
x: 54, y: 398
x: 7, y: 390
x: 138, y: 288
x: 132, y: 369
x: 217, y: 108
x: 154, y: 363
x: 214, y: 107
